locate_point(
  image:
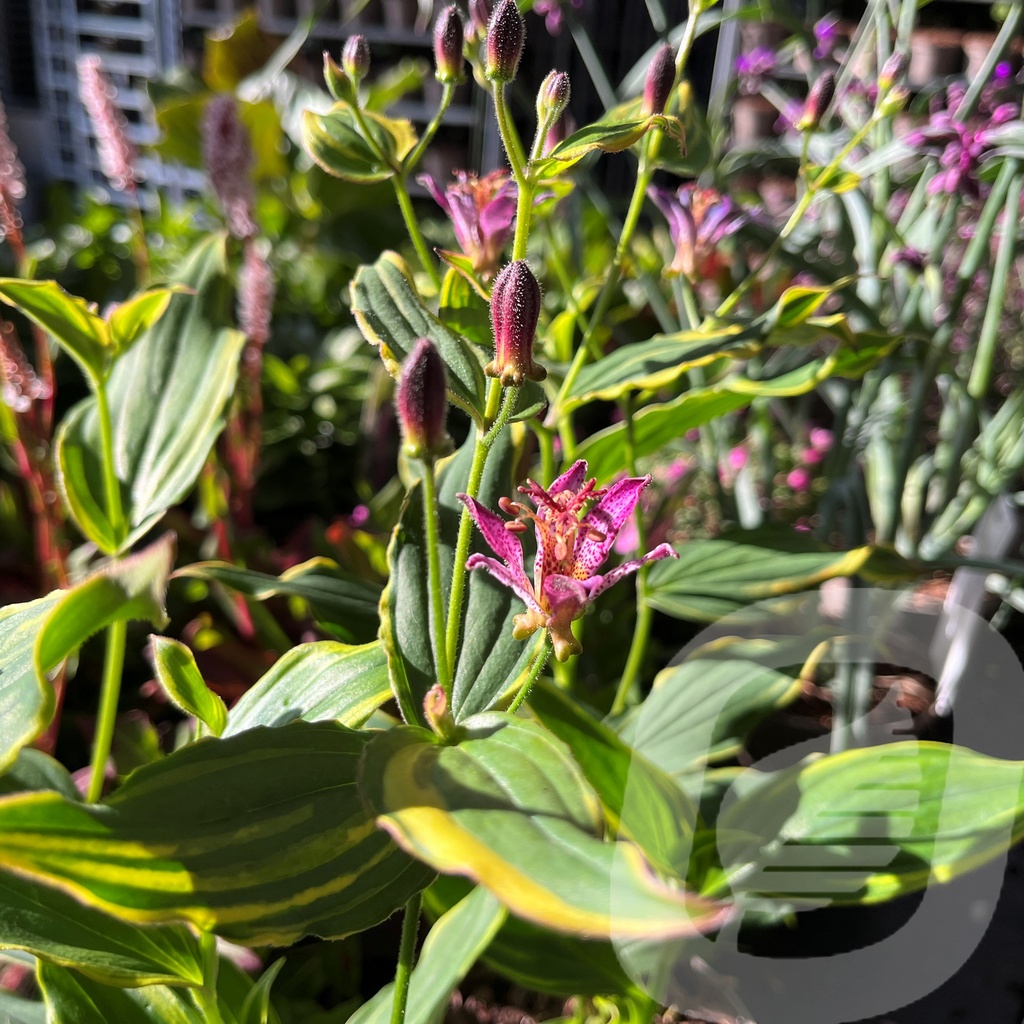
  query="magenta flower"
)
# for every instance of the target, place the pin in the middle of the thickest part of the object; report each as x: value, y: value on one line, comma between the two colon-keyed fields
x: 698, y: 220
x: 576, y: 525
x: 826, y: 36
x: 482, y: 211
x: 551, y: 11
x: 753, y: 68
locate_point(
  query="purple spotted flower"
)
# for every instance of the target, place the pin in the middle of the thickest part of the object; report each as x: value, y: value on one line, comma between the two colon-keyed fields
x: 576, y: 524
x: 753, y: 68
x: 482, y: 211
x: 698, y: 220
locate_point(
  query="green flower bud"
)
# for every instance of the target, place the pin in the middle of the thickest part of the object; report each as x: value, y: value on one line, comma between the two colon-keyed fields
x: 552, y: 98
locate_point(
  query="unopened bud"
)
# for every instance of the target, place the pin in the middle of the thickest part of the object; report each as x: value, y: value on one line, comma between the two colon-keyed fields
x: 437, y: 713
x: 894, y: 100
x: 506, y: 33
x: 658, y: 84
x: 355, y: 58
x: 552, y: 98
x: 339, y: 85
x: 817, y: 102
x: 515, y: 310
x: 892, y: 71
x: 448, y: 47
x: 479, y: 18
x: 422, y: 403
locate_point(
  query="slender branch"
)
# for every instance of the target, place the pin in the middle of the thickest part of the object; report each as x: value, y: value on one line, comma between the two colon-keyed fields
x: 406, y: 958
x: 536, y: 668
x: 106, y: 716
x: 410, y: 162
x: 413, y: 227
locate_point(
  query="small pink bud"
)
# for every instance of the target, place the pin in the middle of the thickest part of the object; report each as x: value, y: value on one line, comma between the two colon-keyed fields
x: 552, y: 97
x: 479, y: 17
x: 658, y: 84
x: 506, y: 33
x: 355, y: 57
x: 817, y: 103
x: 515, y: 310
x: 821, y: 438
x: 422, y: 403
x: 892, y: 71
x: 448, y: 47
x: 738, y: 457
x: 436, y: 712
x: 799, y: 479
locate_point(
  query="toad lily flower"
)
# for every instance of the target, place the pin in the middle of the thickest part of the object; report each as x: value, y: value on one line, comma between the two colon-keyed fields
x: 482, y: 211
x: 576, y: 523
x: 698, y: 220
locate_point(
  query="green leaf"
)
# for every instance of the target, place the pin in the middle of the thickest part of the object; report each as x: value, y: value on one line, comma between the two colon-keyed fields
x: 339, y: 601
x: 167, y: 396
x: 316, y: 682
x: 33, y: 769
x: 177, y: 673
x: 131, y: 318
x: 36, y: 637
x: 235, y: 52
x: 649, y: 365
x: 463, y: 306
x: 712, y: 578
x: 837, y: 180
x: 641, y: 802
x: 703, y: 709
x: 15, y: 1010
x: 871, y: 824
x: 508, y: 808
x: 392, y: 317
x: 537, y: 958
x: 610, y: 136
x: 75, y: 325
x: 55, y: 927
x: 454, y: 944
x: 335, y: 141
x: 491, y: 661
x: 261, y: 838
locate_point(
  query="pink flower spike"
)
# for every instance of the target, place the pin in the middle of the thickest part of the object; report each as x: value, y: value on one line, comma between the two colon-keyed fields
x: 576, y: 525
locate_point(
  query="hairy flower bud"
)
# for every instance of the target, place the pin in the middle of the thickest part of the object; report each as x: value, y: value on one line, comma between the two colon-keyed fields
x: 658, y: 84
x: 892, y: 71
x: 422, y: 403
x: 818, y: 100
x: 355, y: 58
x: 552, y: 98
x: 506, y: 33
x: 515, y: 310
x: 448, y: 36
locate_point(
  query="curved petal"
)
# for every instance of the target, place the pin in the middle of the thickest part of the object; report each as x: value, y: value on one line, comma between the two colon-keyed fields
x: 605, y: 519
x: 504, y: 543
x: 430, y: 185
x: 600, y: 583
x: 516, y: 582
x: 571, y: 480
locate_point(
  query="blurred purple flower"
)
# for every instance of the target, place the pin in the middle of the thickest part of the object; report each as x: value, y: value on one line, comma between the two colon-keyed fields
x: 799, y: 479
x: 826, y: 35
x: 961, y: 147
x: 753, y: 68
x: 228, y: 158
x: 551, y: 10
x: 821, y: 438
x: 698, y: 220
x: 114, y: 150
x: 482, y: 211
x: 738, y: 457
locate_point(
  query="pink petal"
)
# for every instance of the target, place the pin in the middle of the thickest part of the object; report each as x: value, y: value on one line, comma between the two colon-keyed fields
x: 599, y: 583
x: 571, y: 480
x: 507, y: 577
x: 504, y: 543
x: 431, y: 186
x: 606, y: 517
x: 565, y: 597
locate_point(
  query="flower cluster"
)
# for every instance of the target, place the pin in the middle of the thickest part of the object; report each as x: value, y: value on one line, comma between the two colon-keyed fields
x: 753, y: 68
x: 576, y: 524
x: 115, y: 151
x: 227, y: 154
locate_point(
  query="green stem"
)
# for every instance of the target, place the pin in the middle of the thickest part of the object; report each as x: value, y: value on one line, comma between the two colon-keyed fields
x: 106, y: 716
x: 410, y: 162
x: 430, y: 514
x: 644, y: 612
x: 206, y: 996
x: 813, y: 188
x: 111, y: 488
x: 406, y: 958
x: 535, y: 670
x: 412, y: 226
x: 509, y: 135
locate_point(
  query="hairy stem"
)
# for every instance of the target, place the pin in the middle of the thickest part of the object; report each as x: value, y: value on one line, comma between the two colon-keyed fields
x: 539, y: 661
x: 406, y: 958
x: 430, y: 513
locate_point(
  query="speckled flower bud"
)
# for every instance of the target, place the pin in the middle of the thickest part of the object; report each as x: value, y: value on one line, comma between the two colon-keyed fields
x: 892, y: 71
x: 658, y: 84
x: 506, y: 33
x: 448, y: 47
x: 355, y: 58
x: 422, y: 403
x: 552, y: 98
x: 515, y: 310
x: 817, y: 102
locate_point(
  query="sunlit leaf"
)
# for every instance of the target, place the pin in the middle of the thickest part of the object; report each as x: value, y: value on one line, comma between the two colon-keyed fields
x: 180, y: 679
